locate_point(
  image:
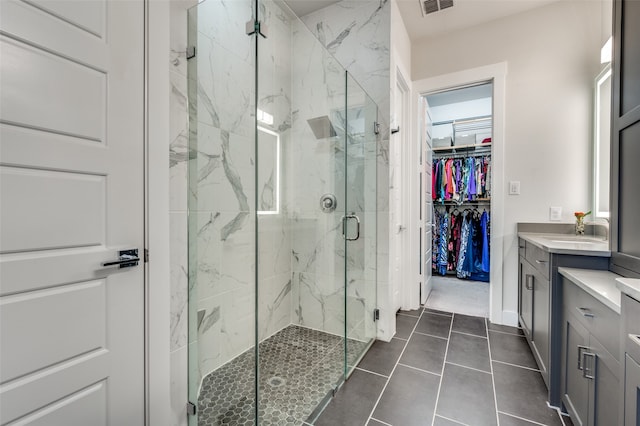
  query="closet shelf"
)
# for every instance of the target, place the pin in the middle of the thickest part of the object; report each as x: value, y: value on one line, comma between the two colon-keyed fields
x: 462, y: 147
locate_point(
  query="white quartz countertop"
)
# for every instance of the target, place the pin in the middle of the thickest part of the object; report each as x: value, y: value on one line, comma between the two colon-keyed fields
x: 600, y: 284
x: 584, y: 245
x: 630, y: 286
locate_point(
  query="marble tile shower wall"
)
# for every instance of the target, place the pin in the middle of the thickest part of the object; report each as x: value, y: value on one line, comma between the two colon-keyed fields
x: 319, y: 90
x: 358, y: 34
x: 318, y: 86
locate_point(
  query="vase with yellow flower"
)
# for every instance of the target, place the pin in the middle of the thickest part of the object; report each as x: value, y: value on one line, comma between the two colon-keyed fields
x: 580, y: 221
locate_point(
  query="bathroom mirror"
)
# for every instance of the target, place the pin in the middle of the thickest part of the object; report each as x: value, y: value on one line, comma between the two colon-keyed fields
x: 268, y: 171
x: 602, y: 143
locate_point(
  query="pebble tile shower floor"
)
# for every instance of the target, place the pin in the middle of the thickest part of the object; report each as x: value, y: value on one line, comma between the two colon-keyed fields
x: 298, y: 368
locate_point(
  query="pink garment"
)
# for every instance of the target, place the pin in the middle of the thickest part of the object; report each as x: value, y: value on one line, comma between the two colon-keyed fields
x: 448, y: 190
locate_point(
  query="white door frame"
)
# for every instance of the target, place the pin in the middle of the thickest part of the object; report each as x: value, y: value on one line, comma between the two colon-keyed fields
x: 399, y: 242
x: 156, y: 173
x: 496, y: 73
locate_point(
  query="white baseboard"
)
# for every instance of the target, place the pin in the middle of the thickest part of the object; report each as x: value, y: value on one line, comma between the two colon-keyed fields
x: 510, y: 318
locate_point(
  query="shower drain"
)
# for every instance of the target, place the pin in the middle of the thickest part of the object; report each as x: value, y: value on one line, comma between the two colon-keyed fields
x: 276, y: 381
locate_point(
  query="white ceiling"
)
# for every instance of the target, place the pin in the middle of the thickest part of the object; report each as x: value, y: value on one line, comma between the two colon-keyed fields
x: 463, y: 14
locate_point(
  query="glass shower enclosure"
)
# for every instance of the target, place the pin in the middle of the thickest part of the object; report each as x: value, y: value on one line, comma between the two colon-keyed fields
x: 282, y: 217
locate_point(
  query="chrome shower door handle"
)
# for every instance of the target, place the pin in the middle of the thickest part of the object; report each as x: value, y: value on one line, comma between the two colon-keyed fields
x: 344, y: 226
x: 354, y: 216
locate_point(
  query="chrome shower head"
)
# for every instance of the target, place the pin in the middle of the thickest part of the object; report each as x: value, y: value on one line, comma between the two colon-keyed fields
x: 322, y: 127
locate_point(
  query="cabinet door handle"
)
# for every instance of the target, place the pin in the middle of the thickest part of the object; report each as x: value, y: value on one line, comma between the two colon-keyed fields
x: 541, y: 261
x: 588, y: 373
x: 528, y: 282
x: 580, y: 355
x: 586, y: 312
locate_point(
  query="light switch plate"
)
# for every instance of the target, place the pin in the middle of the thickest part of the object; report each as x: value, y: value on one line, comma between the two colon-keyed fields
x: 555, y: 213
x: 514, y: 187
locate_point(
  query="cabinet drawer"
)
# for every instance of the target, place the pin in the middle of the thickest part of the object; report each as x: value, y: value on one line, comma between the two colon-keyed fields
x: 521, y: 247
x: 632, y: 388
x: 602, y: 322
x: 606, y: 384
x: 538, y: 258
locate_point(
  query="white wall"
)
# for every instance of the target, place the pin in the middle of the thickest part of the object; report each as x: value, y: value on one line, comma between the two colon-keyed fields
x: 553, y: 55
x: 396, y: 180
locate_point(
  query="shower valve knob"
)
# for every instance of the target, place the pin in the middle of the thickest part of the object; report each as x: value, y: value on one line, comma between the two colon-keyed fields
x: 328, y: 203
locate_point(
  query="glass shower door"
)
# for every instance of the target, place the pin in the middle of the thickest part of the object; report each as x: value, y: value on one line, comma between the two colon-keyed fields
x: 222, y: 227
x: 360, y: 222
x: 301, y: 285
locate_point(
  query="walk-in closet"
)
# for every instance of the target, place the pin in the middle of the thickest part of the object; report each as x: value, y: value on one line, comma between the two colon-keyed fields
x: 458, y: 168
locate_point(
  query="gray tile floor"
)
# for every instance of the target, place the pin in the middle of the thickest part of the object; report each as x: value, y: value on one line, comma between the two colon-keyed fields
x: 445, y: 369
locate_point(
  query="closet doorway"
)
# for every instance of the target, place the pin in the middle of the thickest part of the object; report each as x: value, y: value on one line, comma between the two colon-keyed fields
x: 422, y: 154
x: 461, y: 138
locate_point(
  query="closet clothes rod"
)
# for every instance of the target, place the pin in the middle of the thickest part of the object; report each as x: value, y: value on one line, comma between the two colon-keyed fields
x: 466, y: 203
x: 484, y: 148
x: 439, y: 155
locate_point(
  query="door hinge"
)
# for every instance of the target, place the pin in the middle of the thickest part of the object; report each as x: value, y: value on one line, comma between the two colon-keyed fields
x: 191, y: 409
x: 376, y: 314
x: 191, y: 52
x: 146, y: 255
x: 256, y: 27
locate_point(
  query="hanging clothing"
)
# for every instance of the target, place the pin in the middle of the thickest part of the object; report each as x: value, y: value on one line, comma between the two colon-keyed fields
x: 461, y: 243
x: 484, y: 223
x: 461, y: 179
x: 442, y: 260
x: 462, y: 270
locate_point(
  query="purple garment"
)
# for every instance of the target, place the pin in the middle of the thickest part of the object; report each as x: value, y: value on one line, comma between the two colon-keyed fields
x: 459, y: 176
x: 434, y: 179
x: 472, y: 177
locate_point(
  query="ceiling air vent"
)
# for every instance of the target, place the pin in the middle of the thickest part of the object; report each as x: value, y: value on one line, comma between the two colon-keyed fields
x: 431, y: 6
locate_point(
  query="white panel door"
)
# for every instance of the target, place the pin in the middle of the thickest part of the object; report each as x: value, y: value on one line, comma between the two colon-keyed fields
x: 426, y: 207
x: 71, y: 197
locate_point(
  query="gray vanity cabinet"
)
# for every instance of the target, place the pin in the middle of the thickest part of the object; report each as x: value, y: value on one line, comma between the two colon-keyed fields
x: 534, y: 303
x: 590, y: 376
x: 631, y: 333
x: 540, y: 306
